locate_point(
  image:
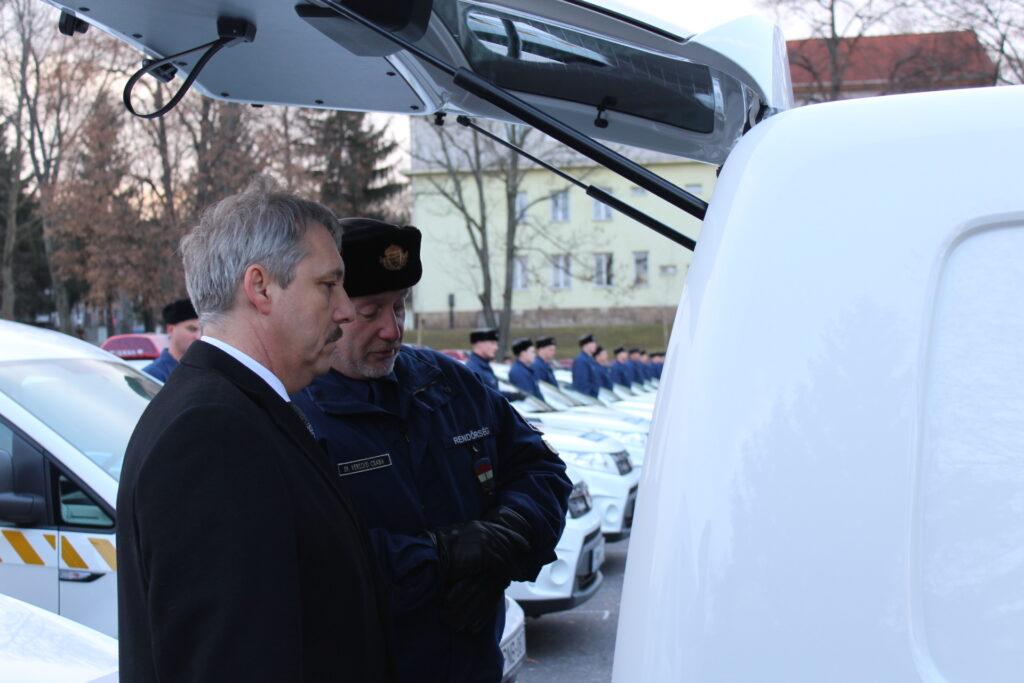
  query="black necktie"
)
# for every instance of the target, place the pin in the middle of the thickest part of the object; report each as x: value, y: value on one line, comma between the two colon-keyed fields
x: 303, y: 418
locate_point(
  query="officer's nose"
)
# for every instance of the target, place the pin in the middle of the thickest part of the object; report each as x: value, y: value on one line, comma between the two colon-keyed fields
x: 391, y: 330
x: 344, y: 311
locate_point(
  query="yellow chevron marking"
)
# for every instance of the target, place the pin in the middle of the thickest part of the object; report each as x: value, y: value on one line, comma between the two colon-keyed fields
x: 70, y: 556
x: 52, y: 540
x: 106, y: 549
x: 21, y: 546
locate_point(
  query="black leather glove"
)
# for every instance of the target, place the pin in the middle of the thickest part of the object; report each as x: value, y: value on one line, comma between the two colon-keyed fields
x: 469, y: 605
x: 474, y: 547
x: 516, y: 568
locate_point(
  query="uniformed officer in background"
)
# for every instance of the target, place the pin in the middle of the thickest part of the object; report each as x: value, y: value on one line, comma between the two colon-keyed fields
x: 546, y: 350
x: 181, y: 323
x: 460, y: 495
x: 621, y: 372
x: 521, y: 373
x: 484, y: 345
x: 586, y: 373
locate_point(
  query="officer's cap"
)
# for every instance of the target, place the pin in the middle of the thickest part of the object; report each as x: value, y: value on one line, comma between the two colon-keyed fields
x: 545, y: 341
x: 598, y: 349
x: 179, y: 311
x: 521, y: 344
x: 634, y: 350
x: 586, y: 339
x: 483, y: 334
x: 619, y: 349
x: 379, y: 257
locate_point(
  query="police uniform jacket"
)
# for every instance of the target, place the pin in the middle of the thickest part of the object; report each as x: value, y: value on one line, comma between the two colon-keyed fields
x: 483, y: 370
x: 637, y: 371
x: 239, y: 556
x: 543, y: 371
x: 586, y: 374
x: 425, y: 447
x: 621, y: 373
x: 523, y: 377
x: 162, y: 366
x: 606, y: 376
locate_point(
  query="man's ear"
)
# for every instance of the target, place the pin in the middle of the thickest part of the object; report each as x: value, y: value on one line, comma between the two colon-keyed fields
x: 256, y: 284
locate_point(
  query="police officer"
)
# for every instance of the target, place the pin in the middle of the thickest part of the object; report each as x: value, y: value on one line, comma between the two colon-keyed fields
x: 546, y: 350
x: 620, y: 371
x: 182, y: 326
x: 460, y: 495
x: 484, y: 344
x: 586, y: 373
x: 521, y: 373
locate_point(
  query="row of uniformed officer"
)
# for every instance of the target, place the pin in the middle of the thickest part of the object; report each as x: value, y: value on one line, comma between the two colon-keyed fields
x: 460, y: 495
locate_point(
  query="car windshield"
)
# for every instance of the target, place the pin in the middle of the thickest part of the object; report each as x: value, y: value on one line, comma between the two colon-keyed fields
x: 93, y: 404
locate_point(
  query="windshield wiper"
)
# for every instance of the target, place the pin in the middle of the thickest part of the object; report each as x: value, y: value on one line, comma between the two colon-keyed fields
x: 567, y: 135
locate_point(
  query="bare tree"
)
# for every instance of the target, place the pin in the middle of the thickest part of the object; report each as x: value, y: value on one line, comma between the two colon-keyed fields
x: 840, y: 25
x: 46, y: 72
x: 468, y: 169
x: 999, y: 25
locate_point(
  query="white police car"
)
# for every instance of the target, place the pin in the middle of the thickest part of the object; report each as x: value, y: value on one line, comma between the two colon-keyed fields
x: 67, y: 410
x: 575, y: 575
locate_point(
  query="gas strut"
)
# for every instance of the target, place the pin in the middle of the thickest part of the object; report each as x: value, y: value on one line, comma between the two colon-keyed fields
x: 567, y: 135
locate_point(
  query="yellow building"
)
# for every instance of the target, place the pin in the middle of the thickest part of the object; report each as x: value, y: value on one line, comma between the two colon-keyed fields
x: 575, y: 260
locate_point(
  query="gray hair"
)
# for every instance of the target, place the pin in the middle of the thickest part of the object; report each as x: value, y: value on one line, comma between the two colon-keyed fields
x: 260, y: 225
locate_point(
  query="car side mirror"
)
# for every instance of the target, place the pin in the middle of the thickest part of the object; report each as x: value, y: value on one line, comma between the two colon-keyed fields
x: 20, y: 508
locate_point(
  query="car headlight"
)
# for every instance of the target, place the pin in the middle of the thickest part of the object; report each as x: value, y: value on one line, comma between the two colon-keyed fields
x: 602, y: 462
x: 580, y: 501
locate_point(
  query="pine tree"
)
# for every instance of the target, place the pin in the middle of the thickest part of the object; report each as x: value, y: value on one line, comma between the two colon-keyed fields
x: 352, y: 166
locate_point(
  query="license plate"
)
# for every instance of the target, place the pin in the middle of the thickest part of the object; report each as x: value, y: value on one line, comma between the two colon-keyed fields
x: 597, y: 556
x: 514, y: 650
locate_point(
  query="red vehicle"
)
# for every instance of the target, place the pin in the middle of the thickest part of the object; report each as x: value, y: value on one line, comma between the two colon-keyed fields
x: 457, y: 354
x: 144, y: 346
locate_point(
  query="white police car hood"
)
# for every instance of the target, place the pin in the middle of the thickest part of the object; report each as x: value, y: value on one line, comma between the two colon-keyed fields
x: 38, y: 646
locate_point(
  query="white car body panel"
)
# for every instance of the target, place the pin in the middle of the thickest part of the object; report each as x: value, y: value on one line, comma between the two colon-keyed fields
x: 614, y: 494
x: 835, y: 474
x: 38, y: 646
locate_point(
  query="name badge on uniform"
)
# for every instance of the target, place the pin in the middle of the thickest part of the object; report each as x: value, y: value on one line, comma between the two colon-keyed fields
x: 377, y: 462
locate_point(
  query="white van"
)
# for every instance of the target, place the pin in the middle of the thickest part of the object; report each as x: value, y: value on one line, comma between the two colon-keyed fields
x: 835, y: 475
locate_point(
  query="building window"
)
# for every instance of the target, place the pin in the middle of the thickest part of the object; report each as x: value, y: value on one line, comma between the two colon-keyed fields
x: 603, y: 270
x: 521, y: 203
x: 560, y: 206
x: 520, y: 273
x: 640, y: 269
x: 561, y: 276
x: 602, y: 212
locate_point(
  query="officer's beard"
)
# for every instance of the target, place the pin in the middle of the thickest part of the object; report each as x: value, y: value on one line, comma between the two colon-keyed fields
x: 366, y: 370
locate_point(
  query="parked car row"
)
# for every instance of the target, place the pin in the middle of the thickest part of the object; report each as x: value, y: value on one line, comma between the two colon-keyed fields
x: 67, y: 410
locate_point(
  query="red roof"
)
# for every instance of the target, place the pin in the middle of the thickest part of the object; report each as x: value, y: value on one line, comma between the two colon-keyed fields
x: 905, y: 62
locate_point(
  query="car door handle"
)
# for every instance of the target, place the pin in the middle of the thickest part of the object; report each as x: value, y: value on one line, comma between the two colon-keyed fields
x: 79, y: 576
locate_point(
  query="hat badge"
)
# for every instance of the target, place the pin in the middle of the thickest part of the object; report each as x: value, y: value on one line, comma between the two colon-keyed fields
x: 394, y: 258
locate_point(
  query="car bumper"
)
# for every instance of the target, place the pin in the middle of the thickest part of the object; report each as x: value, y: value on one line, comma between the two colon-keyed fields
x: 586, y: 581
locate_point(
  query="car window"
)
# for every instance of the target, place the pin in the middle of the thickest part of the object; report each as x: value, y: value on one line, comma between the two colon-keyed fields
x: 93, y: 404
x: 76, y: 507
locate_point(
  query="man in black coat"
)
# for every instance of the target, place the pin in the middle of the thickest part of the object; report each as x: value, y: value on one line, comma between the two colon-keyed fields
x: 239, y: 557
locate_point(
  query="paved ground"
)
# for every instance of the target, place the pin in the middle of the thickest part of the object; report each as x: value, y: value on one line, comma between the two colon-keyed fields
x: 578, y: 645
